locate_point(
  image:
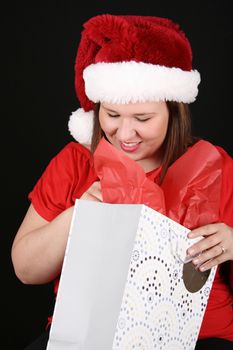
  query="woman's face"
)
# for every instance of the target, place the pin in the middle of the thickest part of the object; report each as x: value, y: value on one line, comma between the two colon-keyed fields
x: 137, y: 129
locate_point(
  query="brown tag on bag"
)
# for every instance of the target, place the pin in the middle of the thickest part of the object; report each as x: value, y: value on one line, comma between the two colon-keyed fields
x: 193, y: 278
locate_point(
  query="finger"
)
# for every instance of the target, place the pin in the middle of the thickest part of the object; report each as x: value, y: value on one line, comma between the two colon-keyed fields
x: 204, y: 230
x: 93, y: 193
x: 213, y: 262
x: 90, y: 197
x: 98, y: 196
x: 96, y: 185
x: 210, y: 254
x: 204, y: 244
x: 95, y: 190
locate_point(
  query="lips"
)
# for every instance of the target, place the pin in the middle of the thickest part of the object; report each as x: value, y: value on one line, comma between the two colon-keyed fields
x: 130, y: 146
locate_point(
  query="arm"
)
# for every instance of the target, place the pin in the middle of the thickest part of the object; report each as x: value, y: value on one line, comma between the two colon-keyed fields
x: 39, y: 247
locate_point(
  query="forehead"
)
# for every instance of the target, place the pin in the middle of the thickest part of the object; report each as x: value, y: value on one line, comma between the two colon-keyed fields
x: 136, y: 108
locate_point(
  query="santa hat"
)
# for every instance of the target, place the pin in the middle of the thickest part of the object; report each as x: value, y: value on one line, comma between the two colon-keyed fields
x: 128, y: 59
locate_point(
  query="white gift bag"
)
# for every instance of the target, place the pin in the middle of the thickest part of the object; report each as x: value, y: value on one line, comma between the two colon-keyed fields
x: 124, y: 282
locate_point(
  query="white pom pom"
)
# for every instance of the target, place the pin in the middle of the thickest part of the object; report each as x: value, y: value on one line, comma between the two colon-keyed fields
x: 80, y: 126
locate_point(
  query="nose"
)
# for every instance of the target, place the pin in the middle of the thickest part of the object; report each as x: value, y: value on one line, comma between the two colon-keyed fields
x: 125, y: 130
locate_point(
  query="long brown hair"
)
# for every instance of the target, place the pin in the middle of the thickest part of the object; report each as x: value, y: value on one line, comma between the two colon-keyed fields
x: 178, y: 139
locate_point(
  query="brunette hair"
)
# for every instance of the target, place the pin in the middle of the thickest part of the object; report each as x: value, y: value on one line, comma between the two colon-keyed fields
x: 178, y: 139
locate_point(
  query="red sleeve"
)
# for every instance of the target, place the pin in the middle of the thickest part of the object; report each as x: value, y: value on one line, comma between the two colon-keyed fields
x: 226, y: 204
x: 52, y: 193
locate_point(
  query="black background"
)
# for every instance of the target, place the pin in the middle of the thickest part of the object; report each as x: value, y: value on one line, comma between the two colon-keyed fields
x: 38, y: 48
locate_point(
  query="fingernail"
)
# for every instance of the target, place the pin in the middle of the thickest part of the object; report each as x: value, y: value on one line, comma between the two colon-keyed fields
x: 190, y: 252
x: 202, y: 268
x: 196, y: 261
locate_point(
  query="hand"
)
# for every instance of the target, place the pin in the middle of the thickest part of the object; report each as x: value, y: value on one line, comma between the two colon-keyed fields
x: 215, y: 247
x: 93, y: 193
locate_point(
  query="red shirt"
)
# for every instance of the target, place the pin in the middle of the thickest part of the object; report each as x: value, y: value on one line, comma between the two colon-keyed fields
x: 71, y: 173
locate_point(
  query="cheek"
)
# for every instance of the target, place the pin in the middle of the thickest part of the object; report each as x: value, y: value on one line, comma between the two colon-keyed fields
x: 163, y: 129
x: 155, y: 131
x: 107, y: 125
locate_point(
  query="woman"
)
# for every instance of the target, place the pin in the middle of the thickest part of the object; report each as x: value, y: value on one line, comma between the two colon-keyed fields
x: 134, y: 80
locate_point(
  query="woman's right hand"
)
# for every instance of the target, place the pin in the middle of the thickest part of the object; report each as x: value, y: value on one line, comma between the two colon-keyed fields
x: 93, y: 193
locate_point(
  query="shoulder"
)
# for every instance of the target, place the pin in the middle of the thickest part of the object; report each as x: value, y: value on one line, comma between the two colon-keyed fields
x: 207, y: 147
x: 214, y: 158
x: 227, y: 168
x: 72, y: 155
x: 226, y: 209
x: 218, y: 152
x: 226, y: 157
x: 63, y: 177
x: 75, y: 149
x: 72, y: 161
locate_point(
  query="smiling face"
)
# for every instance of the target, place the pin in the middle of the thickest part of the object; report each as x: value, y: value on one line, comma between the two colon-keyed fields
x: 137, y: 129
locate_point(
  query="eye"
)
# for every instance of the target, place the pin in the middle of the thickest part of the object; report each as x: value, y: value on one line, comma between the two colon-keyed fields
x: 142, y: 120
x: 113, y: 115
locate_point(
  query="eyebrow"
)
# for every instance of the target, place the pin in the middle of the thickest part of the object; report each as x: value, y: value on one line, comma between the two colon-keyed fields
x: 134, y: 114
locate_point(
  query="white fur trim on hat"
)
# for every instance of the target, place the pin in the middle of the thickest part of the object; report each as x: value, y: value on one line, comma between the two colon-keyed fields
x: 81, y: 126
x: 129, y: 82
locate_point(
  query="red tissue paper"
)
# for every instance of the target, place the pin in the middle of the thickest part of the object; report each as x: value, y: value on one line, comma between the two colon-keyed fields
x: 189, y: 194
x: 123, y: 180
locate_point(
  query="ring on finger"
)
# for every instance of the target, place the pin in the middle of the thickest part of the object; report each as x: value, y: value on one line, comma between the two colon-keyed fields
x: 223, y: 250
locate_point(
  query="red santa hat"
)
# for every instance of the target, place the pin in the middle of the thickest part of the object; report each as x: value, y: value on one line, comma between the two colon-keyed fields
x: 128, y: 59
